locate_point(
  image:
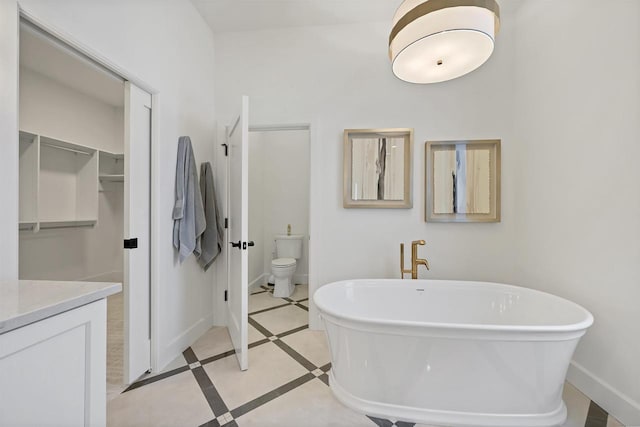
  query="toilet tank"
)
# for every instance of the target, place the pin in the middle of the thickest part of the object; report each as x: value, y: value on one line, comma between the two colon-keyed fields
x: 289, y: 246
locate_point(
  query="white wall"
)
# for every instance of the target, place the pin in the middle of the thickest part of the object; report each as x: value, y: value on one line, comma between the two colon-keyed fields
x: 54, y: 110
x: 167, y: 45
x: 578, y: 127
x: 9, y: 139
x: 256, y: 209
x: 338, y: 77
x: 561, y: 91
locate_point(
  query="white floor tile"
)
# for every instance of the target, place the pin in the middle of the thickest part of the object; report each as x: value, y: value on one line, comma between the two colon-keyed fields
x: 612, y: 422
x: 269, y: 368
x: 310, y: 405
x: 310, y: 344
x: 263, y: 300
x: 282, y: 319
x: 215, y: 341
x: 254, y: 335
x: 577, y: 406
x: 300, y: 292
x: 173, y: 401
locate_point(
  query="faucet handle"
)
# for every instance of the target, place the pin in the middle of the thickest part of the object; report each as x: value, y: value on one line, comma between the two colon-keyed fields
x: 418, y: 242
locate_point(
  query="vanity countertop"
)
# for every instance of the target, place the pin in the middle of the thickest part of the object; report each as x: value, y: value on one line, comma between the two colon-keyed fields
x: 27, y: 301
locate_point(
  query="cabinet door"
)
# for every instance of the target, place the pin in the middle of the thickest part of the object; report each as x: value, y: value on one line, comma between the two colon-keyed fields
x: 137, y: 199
x: 53, y: 372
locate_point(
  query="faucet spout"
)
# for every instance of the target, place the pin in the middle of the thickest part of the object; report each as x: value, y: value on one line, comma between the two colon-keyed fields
x: 415, y: 261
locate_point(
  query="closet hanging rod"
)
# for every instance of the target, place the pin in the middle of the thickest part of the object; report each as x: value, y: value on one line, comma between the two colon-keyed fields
x: 65, y: 149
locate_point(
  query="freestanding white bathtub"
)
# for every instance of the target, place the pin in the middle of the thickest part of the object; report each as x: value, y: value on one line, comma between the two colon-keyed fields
x: 449, y: 352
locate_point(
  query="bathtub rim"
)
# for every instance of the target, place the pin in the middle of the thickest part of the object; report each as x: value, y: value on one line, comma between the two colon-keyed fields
x: 439, y: 417
x: 574, y: 330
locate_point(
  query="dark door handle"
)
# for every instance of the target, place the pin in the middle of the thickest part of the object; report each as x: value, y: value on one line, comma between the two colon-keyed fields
x: 131, y: 243
x: 251, y: 243
x: 236, y: 245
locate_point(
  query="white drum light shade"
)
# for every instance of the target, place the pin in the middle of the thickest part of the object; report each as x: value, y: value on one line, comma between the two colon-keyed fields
x: 437, y: 40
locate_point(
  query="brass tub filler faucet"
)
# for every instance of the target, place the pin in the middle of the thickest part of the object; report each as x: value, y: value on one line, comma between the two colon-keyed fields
x: 415, y: 261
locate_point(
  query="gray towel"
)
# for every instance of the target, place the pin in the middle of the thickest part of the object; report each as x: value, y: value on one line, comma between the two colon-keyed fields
x: 188, y: 214
x: 212, y: 238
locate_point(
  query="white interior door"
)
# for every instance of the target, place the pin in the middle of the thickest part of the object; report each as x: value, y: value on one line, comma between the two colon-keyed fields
x: 137, y: 258
x: 238, y: 286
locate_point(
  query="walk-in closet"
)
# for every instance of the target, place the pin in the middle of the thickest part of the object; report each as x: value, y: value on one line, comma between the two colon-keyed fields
x: 72, y: 175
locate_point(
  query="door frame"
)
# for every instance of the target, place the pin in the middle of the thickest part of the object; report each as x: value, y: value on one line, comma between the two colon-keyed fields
x: 93, y: 55
x: 315, y: 202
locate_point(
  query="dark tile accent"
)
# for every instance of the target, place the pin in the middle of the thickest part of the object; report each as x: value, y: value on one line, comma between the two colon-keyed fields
x: 297, y: 356
x: 292, y: 331
x: 302, y: 307
x: 190, y: 356
x: 288, y: 299
x: 380, y: 422
x: 404, y: 424
x: 213, y: 423
x: 265, y: 398
x: 324, y: 378
x: 155, y: 378
x: 303, y: 299
x: 267, y: 309
x: 596, y: 417
x: 217, y: 357
x: 259, y: 292
x: 264, y: 331
x: 231, y: 424
x: 210, y: 393
x: 326, y: 367
x: 257, y: 343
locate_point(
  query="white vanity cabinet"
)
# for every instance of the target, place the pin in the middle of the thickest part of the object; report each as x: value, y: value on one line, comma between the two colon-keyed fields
x: 53, y: 353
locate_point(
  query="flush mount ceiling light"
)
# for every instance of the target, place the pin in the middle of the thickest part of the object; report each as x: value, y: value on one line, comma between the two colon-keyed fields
x: 437, y: 40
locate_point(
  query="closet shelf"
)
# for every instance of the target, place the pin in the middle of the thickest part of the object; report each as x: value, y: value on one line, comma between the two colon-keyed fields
x: 27, y: 225
x: 112, y: 177
x: 68, y: 223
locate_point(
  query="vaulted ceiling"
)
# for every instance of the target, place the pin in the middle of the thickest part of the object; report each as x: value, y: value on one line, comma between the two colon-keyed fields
x: 250, y: 15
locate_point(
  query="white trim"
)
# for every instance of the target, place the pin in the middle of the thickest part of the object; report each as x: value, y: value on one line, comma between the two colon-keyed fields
x: 107, y: 276
x: 256, y: 282
x: 82, y: 49
x: 154, y: 266
x: 92, y: 54
x: 275, y: 128
x: 616, y: 403
x: 301, y: 279
x: 184, y: 340
x: 316, y: 194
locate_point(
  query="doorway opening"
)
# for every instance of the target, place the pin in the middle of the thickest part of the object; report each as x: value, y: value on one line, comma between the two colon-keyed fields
x: 279, y: 182
x: 82, y: 126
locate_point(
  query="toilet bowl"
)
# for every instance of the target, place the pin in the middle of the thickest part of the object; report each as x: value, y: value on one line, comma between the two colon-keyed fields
x: 282, y: 270
x: 288, y: 249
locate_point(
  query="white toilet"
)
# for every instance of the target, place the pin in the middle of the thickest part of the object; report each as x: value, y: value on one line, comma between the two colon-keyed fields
x: 288, y: 249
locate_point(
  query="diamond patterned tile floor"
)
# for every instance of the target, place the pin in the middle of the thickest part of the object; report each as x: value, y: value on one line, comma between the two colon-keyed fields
x: 286, y: 384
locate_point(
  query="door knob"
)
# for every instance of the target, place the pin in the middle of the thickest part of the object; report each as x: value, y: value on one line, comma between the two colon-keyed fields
x: 251, y: 243
x: 236, y: 245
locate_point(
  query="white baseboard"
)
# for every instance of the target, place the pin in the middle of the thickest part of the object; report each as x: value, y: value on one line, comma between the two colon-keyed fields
x: 184, y: 340
x: 300, y: 279
x: 109, y: 276
x: 258, y: 281
x: 621, y: 406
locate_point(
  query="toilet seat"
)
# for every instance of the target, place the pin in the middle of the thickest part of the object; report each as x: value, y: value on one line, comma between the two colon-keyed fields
x: 283, y: 262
